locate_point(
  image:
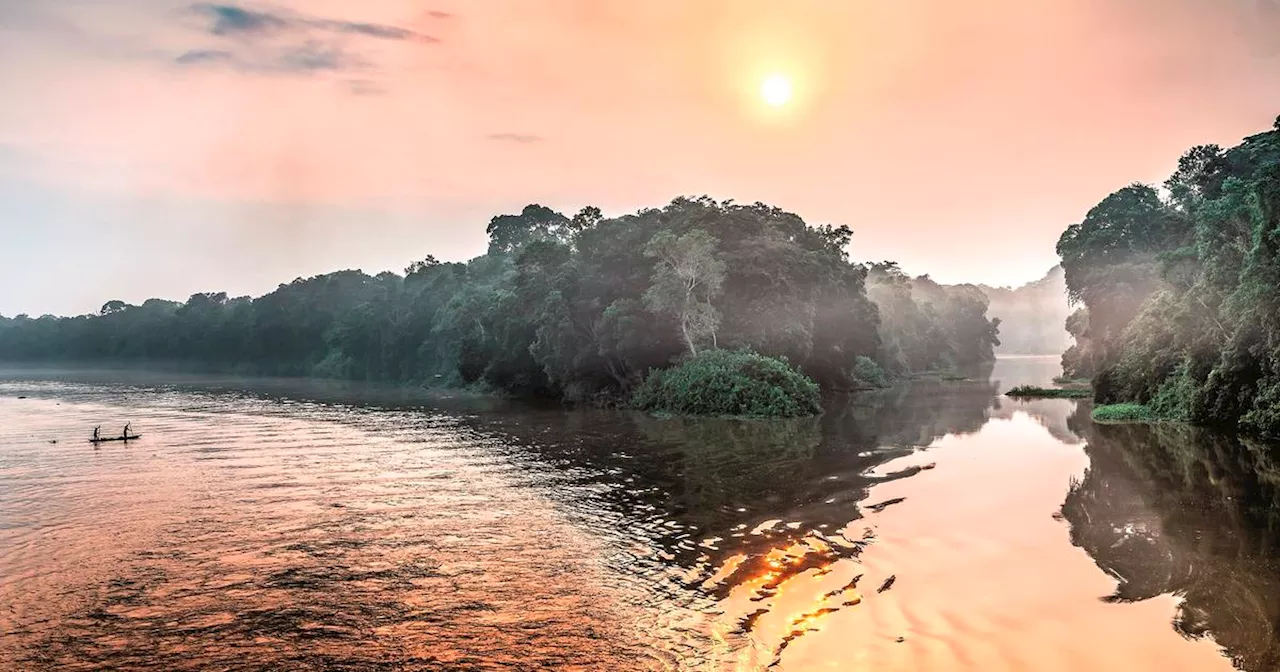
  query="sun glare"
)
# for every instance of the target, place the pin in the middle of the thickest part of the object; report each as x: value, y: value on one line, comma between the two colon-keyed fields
x: 776, y: 90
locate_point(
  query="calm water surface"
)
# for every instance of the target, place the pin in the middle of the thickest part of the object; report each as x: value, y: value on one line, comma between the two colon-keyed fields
x: 282, y: 525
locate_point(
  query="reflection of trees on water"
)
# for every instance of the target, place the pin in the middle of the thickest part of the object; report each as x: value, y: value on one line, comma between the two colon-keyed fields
x: 813, y: 471
x: 679, y: 481
x: 671, y: 483
x: 1054, y: 415
x: 1175, y: 509
x: 685, y: 480
x: 725, y: 464
x: 910, y: 415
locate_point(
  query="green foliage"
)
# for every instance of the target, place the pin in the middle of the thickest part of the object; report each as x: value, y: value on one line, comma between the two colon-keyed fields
x: 576, y: 308
x: 1110, y: 263
x: 730, y: 383
x: 1080, y: 360
x: 1198, y: 171
x: 687, y: 278
x: 1067, y: 380
x: 869, y: 374
x: 1263, y: 416
x: 1124, y: 413
x: 1182, y: 298
x: 1172, y: 399
x: 925, y: 326
x: 1033, y: 392
x: 509, y: 233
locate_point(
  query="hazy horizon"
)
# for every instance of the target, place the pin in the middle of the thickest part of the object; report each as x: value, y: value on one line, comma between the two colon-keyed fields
x: 156, y: 149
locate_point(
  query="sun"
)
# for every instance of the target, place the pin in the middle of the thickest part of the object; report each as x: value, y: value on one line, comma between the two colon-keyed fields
x: 776, y: 90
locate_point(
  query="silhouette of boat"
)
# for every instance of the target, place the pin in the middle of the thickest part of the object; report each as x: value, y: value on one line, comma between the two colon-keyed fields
x: 106, y: 439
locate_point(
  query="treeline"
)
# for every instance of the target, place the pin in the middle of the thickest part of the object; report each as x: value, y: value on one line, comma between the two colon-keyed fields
x: 1180, y: 291
x: 559, y: 306
x: 925, y: 326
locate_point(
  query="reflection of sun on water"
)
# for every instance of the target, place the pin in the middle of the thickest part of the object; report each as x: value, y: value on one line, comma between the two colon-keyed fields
x: 784, y: 594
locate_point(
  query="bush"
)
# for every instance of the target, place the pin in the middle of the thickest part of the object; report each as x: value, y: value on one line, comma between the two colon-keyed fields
x: 1172, y: 400
x: 1033, y: 392
x: 869, y: 374
x: 1264, y: 417
x: 1124, y: 413
x: 729, y: 383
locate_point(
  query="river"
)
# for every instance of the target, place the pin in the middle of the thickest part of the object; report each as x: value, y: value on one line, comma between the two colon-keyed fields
x: 294, y: 525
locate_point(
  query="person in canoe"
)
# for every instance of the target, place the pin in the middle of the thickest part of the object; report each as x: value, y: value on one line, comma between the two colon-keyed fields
x: 96, y: 431
x: 126, y: 429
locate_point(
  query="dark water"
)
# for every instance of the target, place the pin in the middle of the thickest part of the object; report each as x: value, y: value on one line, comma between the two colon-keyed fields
x: 285, y: 525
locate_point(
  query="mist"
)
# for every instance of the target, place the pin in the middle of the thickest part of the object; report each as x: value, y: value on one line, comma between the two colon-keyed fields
x: 1033, y: 316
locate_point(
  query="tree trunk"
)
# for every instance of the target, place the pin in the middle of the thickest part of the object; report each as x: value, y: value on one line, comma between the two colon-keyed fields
x: 623, y: 383
x: 688, y: 340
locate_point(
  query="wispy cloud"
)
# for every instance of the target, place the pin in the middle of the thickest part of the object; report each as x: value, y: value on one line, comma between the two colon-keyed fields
x: 379, y: 31
x: 255, y: 40
x: 233, y: 20
x: 196, y: 56
x: 307, y: 58
x: 523, y: 138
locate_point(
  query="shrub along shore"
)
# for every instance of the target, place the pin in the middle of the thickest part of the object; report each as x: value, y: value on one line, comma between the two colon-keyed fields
x: 1033, y: 392
x: 730, y: 383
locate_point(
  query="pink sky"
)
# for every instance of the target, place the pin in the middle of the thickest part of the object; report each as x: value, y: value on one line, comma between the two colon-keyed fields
x: 958, y: 138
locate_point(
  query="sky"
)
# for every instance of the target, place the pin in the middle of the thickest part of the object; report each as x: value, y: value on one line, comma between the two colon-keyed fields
x: 164, y: 147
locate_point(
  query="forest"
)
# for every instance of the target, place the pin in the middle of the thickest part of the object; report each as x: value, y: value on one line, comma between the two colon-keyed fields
x: 1179, y: 290
x: 577, y: 308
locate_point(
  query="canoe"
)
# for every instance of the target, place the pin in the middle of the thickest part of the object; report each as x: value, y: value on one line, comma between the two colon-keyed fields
x: 105, y: 439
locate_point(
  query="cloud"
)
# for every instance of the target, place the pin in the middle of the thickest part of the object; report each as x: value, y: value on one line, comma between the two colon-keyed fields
x: 303, y: 59
x: 283, y: 42
x: 232, y: 20
x: 236, y: 21
x: 437, y: 14
x: 379, y: 31
x: 196, y: 56
x: 523, y: 138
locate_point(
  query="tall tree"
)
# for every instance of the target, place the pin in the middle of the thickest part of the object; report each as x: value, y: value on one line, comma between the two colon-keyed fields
x: 687, y: 278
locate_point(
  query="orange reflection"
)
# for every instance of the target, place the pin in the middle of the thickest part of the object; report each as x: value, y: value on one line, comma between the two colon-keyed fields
x: 953, y: 577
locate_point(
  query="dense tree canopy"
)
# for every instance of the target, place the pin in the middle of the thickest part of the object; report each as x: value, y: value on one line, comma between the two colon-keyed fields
x: 571, y: 307
x: 1181, y: 295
